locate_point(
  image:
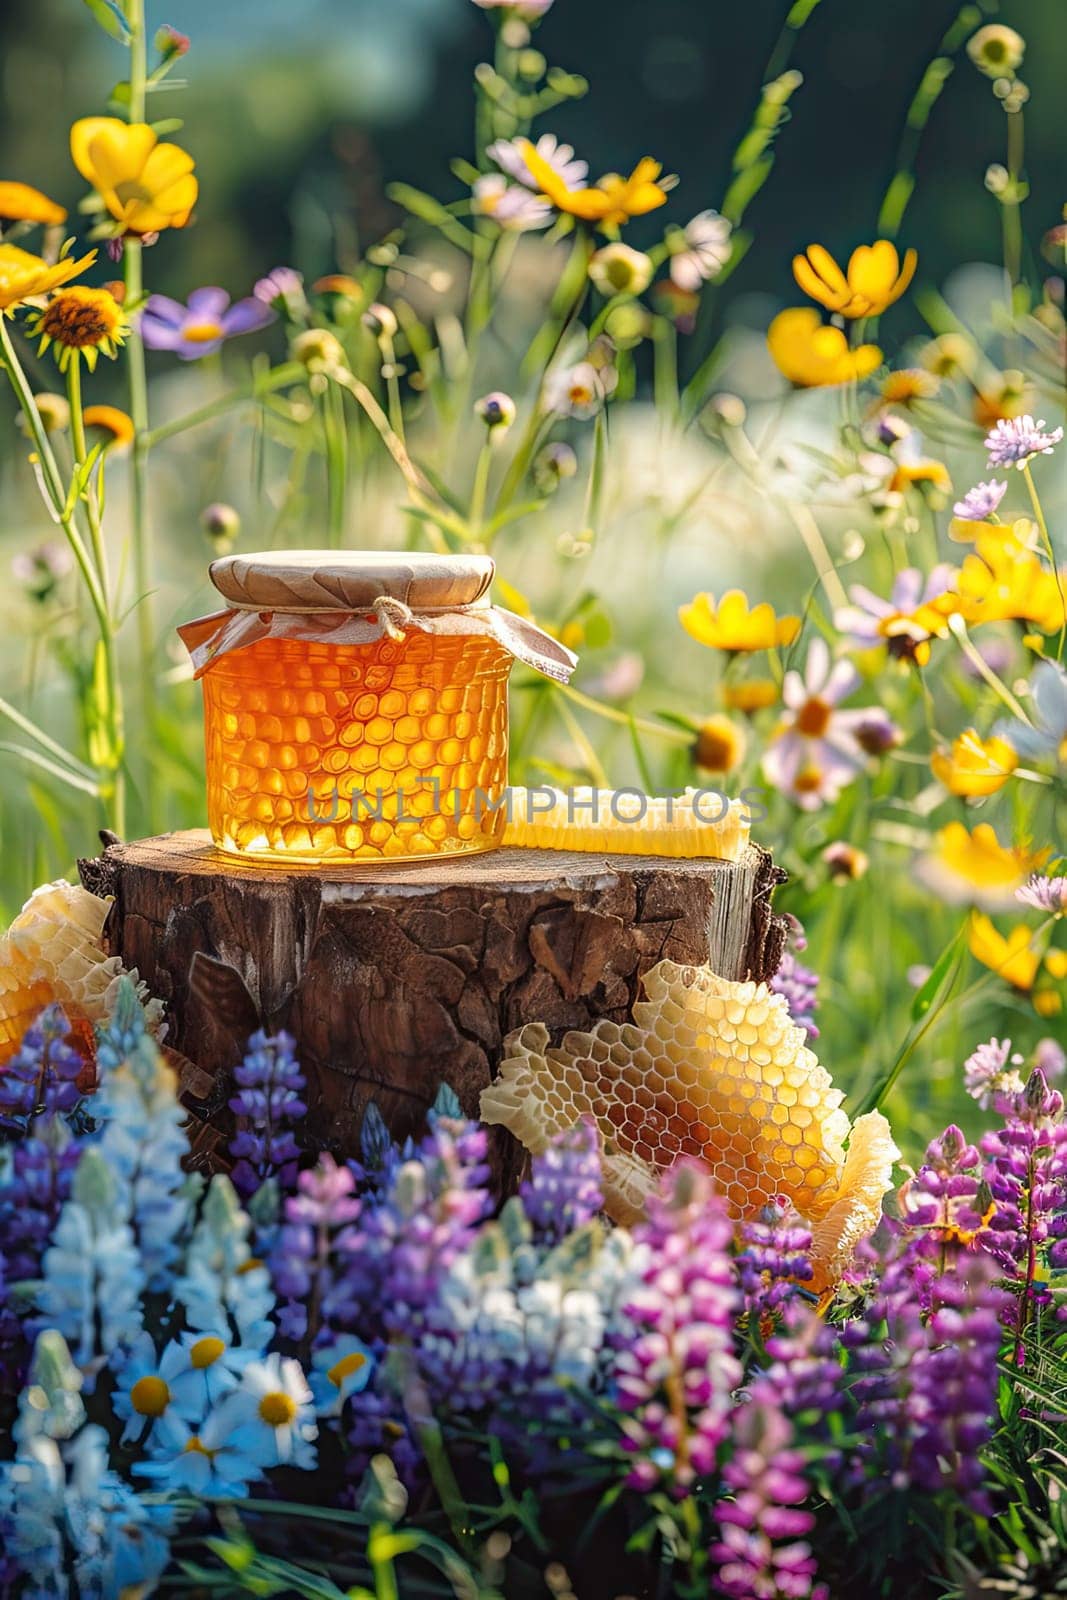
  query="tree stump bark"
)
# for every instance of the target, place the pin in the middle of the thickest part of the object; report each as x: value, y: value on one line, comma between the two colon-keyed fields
x: 394, y: 979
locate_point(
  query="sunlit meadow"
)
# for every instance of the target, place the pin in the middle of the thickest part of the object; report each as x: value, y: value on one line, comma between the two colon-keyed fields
x: 821, y: 562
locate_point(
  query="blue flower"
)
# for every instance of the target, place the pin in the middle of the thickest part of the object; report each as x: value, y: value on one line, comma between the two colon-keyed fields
x: 1048, y: 735
x: 339, y: 1369
x: 272, y: 1416
x: 207, y: 1461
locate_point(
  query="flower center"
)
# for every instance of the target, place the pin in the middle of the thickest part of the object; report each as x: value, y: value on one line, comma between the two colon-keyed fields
x: 808, y: 780
x: 580, y: 394
x: 205, y: 1352
x: 346, y: 1367
x: 813, y: 718
x: 277, y: 1409
x: 202, y: 332
x: 195, y: 1447
x: 150, y: 1397
x: 79, y: 319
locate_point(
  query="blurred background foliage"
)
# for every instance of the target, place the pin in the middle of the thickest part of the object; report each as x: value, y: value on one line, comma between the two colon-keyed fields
x: 299, y: 115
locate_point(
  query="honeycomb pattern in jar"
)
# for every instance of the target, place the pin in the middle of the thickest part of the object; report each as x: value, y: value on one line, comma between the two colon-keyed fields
x: 301, y: 737
x: 708, y: 1069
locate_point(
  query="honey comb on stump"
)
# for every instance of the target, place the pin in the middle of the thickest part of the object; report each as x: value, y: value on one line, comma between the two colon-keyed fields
x: 396, y: 978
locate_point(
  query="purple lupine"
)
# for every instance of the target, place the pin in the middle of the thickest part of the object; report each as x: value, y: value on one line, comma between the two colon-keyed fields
x: 203, y: 325
x: 924, y: 1382
x: 41, y: 1077
x: 946, y: 1204
x: 761, y: 1549
x: 776, y: 1258
x: 309, y: 1260
x: 676, y: 1372
x: 42, y: 1168
x: 954, y: 1392
x: 799, y: 987
x: 563, y: 1190
x: 1026, y: 1170
x: 268, y: 1103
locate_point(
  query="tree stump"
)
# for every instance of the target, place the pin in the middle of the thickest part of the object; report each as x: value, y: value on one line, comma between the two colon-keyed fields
x: 396, y: 978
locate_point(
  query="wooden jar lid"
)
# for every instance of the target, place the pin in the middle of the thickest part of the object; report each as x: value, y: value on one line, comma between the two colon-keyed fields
x: 350, y: 580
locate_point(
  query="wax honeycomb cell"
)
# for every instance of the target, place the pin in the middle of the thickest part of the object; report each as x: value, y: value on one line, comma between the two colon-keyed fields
x: 713, y: 1070
x: 327, y: 752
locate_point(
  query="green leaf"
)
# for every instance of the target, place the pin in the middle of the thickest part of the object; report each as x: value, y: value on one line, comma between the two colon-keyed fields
x: 109, y: 17
x: 35, y: 759
x: 927, y: 994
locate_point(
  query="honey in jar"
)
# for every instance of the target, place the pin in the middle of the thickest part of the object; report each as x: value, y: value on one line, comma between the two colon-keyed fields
x: 355, y: 704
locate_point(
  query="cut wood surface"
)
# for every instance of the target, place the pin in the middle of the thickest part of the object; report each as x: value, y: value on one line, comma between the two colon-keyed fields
x: 396, y: 978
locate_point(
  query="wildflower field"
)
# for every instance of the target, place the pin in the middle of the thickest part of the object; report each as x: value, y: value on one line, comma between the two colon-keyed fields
x: 817, y: 1345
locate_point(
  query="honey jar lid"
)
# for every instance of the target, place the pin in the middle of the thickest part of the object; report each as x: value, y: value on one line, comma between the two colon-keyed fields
x: 350, y: 580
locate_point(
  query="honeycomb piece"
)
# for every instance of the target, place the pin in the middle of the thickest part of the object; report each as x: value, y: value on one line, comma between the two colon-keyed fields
x: 624, y: 822
x: 53, y: 951
x: 713, y: 1070
x: 390, y: 750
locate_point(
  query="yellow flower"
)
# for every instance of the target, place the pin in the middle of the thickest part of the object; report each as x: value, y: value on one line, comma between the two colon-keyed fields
x: 1014, y: 958
x: 750, y: 695
x: 974, y: 766
x: 948, y: 354
x: 730, y: 625
x: 617, y: 269
x: 900, y: 388
x: 715, y: 1071
x: 813, y: 355
x: 612, y: 201
x: 1009, y: 396
x: 720, y: 745
x: 21, y: 203
x: 927, y: 471
x: 89, y: 322
x: 875, y: 278
x: 1002, y: 580
x: 996, y: 50
x: 24, y: 276
x: 112, y: 421
x: 145, y: 185
x: 974, y: 867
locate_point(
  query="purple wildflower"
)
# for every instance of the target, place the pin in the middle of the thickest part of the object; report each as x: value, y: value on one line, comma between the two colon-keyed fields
x: 776, y: 1259
x: 268, y: 1102
x: 676, y: 1375
x: 1044, y: 894
x: 1026, y: 1170
x: 563, y: 1190
x: 283, y: 291
x: 799, y: 987
x: 761, y: 1549
x: 200, y: 327
x: 905, y: 621
x: 814, y: 753
x: 991, y: 1071
x: 946, y: 1203
x: 41, y: 1078
x: 1014, y: 441
x: 310, y: 1257
x: 981, y: 502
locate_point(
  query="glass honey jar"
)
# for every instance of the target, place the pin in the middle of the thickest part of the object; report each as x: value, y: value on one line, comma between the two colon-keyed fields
x: 355, y: 704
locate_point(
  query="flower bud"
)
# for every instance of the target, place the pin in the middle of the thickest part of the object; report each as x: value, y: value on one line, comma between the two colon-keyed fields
x: 844, y: 861
x: 997, y: 50
x: 170, y: 43
x: 380, y: 320
x: 720, y: 745
x: 554, y: 463
x: 53, y: 410
x: 317, y: 349
x: 496, y: 410
x: 619, y: 269
x: 222, y: 524
x: 728, y: 409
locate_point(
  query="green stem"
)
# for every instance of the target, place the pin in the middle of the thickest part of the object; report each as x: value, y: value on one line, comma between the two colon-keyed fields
x: 628, y: 720
x: 108, y: 705
x: 1012, y: 215
x: 77, y: 435
x: 335, y: 435
x: 481, y: 485
x: 1039, y: 515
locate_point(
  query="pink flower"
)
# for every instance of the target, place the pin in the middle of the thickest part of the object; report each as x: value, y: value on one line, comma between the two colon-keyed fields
x: 815, y: 751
